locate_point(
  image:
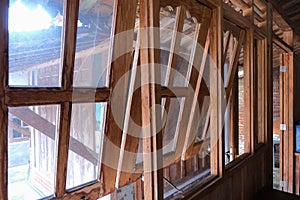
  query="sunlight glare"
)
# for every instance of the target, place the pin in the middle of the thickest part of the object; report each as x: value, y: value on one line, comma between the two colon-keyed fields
x: 23, y: 19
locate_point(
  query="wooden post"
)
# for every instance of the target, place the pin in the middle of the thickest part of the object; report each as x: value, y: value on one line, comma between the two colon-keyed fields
x: 3, y: 107
x: 248, y: 92
x: 269, y: 98
x: 151, y: 116
x: 288, y: 37
x: 216, y: 95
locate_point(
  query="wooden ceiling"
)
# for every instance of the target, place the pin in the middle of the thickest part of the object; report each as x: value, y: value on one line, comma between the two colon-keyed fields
x: 290, y: 11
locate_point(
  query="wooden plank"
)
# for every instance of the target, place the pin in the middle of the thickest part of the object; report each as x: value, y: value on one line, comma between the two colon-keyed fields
x: 120, y: 55
x: 150, y: 92
x: 286, y: 121
x: 248, y: 91
x: 44, y: 96
x: 268, y: 99
x: 138, y: 190
x: 234, y: 129
x: 3, y: 107
x: 216, y: 109
x: 288, y: 37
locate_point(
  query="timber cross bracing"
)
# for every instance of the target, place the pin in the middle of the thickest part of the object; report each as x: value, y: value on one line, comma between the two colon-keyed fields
x: 189, y: 107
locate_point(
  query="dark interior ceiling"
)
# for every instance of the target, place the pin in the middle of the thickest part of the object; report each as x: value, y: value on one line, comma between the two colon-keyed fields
x: 290, y: 11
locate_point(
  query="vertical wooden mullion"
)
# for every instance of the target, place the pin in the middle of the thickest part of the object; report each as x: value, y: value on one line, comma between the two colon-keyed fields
x: 234, y: 130
x: 288, y: 37
x: 68, y: 57
x: 281, y: 92
x: 151, y: 116
x: 286, y: 121
x: 269, y: 98
x: 216, y: 88
x: 3, y: 107
x: 248, y: 91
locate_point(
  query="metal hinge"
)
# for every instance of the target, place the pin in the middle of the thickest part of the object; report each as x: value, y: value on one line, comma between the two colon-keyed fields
x: 282, y: 68
x: 282, y: 127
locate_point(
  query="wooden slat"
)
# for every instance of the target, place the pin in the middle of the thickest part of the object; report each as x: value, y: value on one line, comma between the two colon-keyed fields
x: 3, y: 107
x: 69, y: 47
x: 43, y: 96
x: 151, y: 115
x: 122, y: 44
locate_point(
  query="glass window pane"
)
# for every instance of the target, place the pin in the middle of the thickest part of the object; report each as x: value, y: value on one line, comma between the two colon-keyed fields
x: 35, y: 40
x: 32, y: 151
x: 87, y: 128
x: 172, y: 114
x: 93, y: 39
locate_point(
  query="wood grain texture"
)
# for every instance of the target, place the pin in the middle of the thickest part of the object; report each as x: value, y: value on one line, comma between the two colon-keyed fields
x: 3, y: 107
x: 150, y: 92
x: 71, y: 9
x: 120, y: 56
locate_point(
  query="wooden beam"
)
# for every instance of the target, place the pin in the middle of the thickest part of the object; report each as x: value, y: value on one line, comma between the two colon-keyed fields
x: 248, y: 91
x: 48, y: 129
x: 3, y: 108
x: 216, y: 95
x: 120, y: 66
x: 268, y: 99
x: 43, y: 96
x: 151, y: 115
